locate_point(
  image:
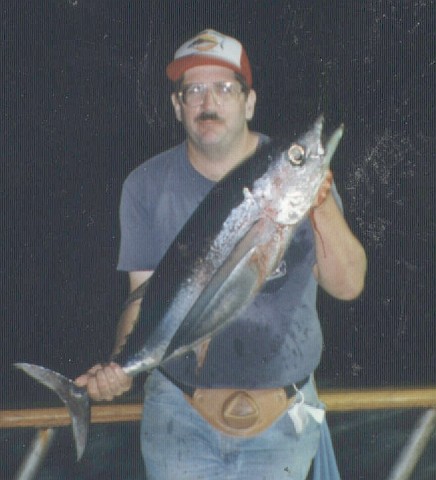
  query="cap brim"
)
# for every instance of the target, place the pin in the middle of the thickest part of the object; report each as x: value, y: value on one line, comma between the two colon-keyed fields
x: 178, y: 67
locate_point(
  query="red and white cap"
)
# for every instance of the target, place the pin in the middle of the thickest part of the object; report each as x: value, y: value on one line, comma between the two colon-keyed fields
x: 210, y: 48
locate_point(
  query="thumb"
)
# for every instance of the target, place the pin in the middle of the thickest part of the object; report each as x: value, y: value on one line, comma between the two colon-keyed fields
x: 82, y: 380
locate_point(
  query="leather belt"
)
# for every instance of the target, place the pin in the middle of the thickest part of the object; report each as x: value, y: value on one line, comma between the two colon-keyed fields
x: 190, y: 389
x: 240, y: 412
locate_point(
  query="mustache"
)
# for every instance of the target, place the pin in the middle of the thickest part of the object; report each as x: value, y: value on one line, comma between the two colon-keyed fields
x: 207, y: 116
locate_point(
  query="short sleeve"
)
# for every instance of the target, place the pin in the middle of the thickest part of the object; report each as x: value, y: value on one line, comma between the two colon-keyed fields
x: 134, y: 219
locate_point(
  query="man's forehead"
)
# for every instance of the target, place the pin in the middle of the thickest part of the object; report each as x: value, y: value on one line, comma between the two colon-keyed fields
x: 208, y: 73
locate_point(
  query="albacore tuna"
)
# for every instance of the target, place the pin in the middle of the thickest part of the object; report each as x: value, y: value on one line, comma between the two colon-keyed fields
x: 221, y: 258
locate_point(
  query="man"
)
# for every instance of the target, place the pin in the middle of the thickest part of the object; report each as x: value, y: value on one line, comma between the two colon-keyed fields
x: 242, y: 368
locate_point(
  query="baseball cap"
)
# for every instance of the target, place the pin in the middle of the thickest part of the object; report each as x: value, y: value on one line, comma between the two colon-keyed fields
x: 210, y: 48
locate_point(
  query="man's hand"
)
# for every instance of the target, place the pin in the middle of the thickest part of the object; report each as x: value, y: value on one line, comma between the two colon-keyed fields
x: 105, y: 382
x: 324, y: 190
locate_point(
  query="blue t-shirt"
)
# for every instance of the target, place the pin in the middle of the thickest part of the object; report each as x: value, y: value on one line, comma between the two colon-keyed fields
x: 277, y: 341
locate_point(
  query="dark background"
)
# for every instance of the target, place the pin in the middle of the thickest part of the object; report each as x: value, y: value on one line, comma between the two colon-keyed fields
x: 84, y: 99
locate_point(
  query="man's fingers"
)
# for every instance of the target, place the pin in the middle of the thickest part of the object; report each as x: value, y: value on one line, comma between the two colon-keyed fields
x: 93, y: 370
x: 105, y: 382
x: 83, y: 380
x: 94, y: 390
x: 324, y: 189
x: 124, y: 381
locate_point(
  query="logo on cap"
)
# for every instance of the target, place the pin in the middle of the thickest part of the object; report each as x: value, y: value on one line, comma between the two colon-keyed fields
x: 206, y: 41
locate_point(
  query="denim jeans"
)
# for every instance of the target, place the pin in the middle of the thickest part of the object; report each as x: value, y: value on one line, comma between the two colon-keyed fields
x: 177, y: 443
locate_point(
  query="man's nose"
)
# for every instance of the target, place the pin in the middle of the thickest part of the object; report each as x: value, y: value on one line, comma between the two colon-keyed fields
x: 209, y: 99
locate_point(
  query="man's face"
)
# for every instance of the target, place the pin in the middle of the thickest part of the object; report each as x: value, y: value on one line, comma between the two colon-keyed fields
x: 211, y: 123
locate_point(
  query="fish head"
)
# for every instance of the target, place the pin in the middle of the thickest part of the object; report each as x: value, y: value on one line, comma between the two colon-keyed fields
x: 298, y: 173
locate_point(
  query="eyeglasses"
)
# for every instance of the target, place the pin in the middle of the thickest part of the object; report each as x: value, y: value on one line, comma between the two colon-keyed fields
x: 223, y: 93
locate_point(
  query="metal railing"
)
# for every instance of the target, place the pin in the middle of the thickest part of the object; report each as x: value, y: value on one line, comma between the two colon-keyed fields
x: 346, y: 400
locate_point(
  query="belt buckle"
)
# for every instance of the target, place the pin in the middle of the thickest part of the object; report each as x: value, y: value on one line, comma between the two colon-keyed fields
x: 240, y: 410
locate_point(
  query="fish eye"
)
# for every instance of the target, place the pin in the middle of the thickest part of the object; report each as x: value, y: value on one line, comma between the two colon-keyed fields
x: 296, y: 154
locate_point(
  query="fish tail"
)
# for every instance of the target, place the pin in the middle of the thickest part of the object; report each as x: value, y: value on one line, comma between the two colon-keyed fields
x: 75, y: 399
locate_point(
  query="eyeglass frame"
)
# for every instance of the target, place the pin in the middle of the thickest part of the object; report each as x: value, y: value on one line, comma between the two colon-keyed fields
x: 177, y: 88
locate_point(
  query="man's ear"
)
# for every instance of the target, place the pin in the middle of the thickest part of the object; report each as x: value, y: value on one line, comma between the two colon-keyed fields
x: 176, y: 106
x: 250, y: 104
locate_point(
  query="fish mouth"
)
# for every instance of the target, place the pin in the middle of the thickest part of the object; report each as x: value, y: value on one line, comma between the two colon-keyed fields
x: 317, y: 144
x: 332, y: 143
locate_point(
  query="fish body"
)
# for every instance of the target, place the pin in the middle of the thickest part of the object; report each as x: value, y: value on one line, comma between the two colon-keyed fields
x: 229, y: 247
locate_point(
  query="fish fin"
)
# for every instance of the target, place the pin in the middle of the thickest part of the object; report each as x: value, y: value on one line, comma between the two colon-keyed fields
x: 75, y: 399
x: 200, y: 351
x: 219, y: 302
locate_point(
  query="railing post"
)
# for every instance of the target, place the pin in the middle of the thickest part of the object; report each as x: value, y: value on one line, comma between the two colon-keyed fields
x: 414, y: 447
x: 36, y: 454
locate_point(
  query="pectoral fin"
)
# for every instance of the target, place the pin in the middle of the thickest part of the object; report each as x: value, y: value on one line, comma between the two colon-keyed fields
x: 230, y: 289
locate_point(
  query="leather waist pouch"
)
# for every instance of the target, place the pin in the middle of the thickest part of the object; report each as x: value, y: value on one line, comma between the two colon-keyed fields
x: 240, y: 413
